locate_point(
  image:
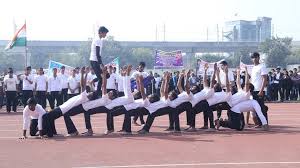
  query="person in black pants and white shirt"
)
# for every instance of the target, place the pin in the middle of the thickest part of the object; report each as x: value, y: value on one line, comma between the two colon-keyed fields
x: 11, y: 88
x: 86, y: 106
x: 68, y: 105
x: 73, y: 85
x: 35, y: 119
x: 112, y: 81
x: 41, y: 86
x: 64, y: 84
x: 158, y: 107
x: 54, y: 89
x: 259, y: 80
x: 95, y: 57
x: 27, y: 89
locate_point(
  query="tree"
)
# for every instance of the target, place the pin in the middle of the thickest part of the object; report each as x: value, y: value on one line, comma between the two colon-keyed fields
x: 277, y: 50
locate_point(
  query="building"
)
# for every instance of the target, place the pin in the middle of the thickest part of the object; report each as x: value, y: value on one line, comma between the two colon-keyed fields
x: 248, y: 31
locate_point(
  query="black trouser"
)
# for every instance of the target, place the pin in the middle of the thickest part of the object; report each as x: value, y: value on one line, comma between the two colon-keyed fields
x: 202, y: 106
x: 98, y: 71
x: 33, y: 127
x: 159, y: 112
x: 277, y: 89
x: 87, y: 115
x: 26, y: 94
x: 45, y: 126
x: 41, y: 98
x: 11, y: 100
x: 174, y: 117
x: 113, y: 113
x: 68, y: 121
x: 127, y: 119
x: 235, y: 121
x: 139, y: 116
x: 53, y: 115
x: 55, y: 96
x: 261, y: 102
x: 216, y: 107
x: 120, y: 94
x: 1, y: 100
x: 64, y: 95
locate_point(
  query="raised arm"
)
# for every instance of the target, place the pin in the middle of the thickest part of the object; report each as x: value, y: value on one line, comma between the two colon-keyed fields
x: 227, y: 80
x: 162, y: 87
x: 179, y: 82
x: 205, y: 84
x: 83, y: 77
x: 238, y: 78
x: 247, y: 81
x: 104, y: 81
x: 213, y: 76
x: 167, y: 85
x: 187, y: 82
x: 141, y: 86
x: 218, y: 75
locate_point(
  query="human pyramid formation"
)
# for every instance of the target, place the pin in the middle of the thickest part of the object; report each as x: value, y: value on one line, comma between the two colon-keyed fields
x: 213, y: 95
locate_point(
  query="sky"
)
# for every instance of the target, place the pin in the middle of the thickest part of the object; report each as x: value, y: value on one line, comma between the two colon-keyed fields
x: 138, y: 20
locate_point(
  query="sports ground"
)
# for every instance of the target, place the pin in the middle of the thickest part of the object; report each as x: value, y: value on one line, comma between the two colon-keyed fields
x: 251, y: 148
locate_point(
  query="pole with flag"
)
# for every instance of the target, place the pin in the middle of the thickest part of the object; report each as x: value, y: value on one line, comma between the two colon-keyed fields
x: 19, y: 40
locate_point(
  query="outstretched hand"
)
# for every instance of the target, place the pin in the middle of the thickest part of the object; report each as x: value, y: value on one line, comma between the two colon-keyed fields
x: 206, y: 67
x: 82, y: 70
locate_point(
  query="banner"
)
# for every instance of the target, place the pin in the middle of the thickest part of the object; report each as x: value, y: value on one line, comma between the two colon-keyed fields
x: 58, y: 65
x: 168, y: 60
x: 115, y: 63
x: 201, y: 64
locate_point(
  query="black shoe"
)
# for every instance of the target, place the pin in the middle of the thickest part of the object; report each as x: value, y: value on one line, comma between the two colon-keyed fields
x: 169, y: 129
x: 142, y: 131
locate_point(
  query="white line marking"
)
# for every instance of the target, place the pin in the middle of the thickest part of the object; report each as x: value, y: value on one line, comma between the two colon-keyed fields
x: 194, y: 164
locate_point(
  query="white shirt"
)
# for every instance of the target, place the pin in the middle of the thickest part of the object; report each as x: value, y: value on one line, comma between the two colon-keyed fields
x: 111, y: 82
x: 26, y: 85
x: 73, y: 102
x: 218, y: 97
x: 41, y: 82
x: 64, y: 80
x: 137, y: 103
x: 277, y: 76
x: 250, y: 105
x: 238, y: 97
x: 181, y: 98
x: 136, y: 73
x: 54, y: 84
x: 153, y: 107
x: 73, y: 83
x: 90, y: 79
x: 103, y: 101
x: 7, y: 76
x: 157, y: 81
x: 120, y: 83
x: 96, y: 42
x: 223, y: 78
x: 36, y: 114
x: 256, y: 76
x: 126, y: 99
x: 202, y: 95
x: 11, y: 84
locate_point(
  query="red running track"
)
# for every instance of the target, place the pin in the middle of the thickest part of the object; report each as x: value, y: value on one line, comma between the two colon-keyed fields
x: 280, y: 147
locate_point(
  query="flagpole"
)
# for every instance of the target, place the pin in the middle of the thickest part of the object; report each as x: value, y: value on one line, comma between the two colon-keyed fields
x: 26, y: 46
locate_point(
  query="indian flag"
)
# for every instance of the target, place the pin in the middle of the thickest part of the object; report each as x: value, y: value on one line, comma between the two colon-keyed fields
x: 19, y: 38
